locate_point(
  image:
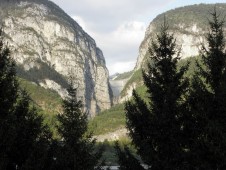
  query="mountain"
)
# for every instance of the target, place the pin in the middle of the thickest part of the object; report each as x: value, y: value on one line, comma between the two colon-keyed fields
x: 117, y: 82
x: 50, y: 47
x: 189, y: 25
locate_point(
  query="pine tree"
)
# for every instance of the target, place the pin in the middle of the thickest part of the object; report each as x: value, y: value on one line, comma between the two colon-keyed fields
x: 155, y: 127
x: 126, y: 159
x: 78, y: 147
x: 33, y: 139
x: 21, y: 127
x: 207, y: 102
x: 8, y: 96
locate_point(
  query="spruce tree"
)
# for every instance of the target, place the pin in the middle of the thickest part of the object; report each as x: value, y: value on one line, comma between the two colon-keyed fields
x: 208, y: 102
x: 126, y: 159
x: 8, y: 96
x: 33, y: 138
x: 20, y: 126
x: 155, y: 127
x: 77, y: 151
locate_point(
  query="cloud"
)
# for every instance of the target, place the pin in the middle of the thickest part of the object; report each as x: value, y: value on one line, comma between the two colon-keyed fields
x: 130, y: 32
x: 121, y: 67
x: 127, y: 34
x: 80, y: 21
x: 105, y: 15
x: 121, y: 45
x: 118, y: 26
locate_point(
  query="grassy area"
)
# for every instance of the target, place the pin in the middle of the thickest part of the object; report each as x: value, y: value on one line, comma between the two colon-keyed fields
x: 135, y: 78
x: 108, y: 121
x: 48, y: 102
x: 46, y: 99
x: 114, y: 118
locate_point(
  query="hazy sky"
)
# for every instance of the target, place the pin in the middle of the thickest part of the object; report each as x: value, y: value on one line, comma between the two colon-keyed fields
x: 118, y: 26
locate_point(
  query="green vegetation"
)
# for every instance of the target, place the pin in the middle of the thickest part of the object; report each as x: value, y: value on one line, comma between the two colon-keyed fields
x: 41, y: 72
x: 184, y: 126
x: 108, y: 120
x: 126, y: 159
x: 112, y: 119
x: 109, y: 154
x: 47, y: 99
x: 188, y: 20
x: 180, y: 19
x: 155, y: 129
x: 27, y: 143
x: 205, y: 124
x: 192, y: 65
x: 135, y: 78
x: 138, y: 80
x: 77, y: 149
x: 25, y: 140
x: 48, y: 103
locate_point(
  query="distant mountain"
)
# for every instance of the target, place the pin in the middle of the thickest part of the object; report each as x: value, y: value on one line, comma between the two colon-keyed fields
x: 117, y: 82
x: 49, y: 47
x: 189, y: 25
x: 112, y: 77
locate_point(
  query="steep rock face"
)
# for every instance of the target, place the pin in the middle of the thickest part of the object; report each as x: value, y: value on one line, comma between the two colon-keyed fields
x: 188, y: 24
x: 190, y: 42
x: 50, y: 47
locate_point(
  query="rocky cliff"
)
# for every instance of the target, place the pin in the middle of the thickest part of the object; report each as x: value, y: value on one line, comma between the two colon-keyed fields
x: 49, y: 47
x: 189, y: 25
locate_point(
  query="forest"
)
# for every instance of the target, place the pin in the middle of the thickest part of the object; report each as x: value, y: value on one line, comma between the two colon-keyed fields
x: 179, y: 125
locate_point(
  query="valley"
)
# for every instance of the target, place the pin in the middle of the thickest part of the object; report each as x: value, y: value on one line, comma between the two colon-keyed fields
x: 52, y: 52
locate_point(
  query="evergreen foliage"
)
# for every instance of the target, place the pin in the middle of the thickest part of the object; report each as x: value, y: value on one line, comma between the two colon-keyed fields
x: 207, y: 102
x: 155, y: 127
x: 77, y: 151
x: 126, y: 159
x: 184, y: 17
x: 40, y: 74
x: 21, y: 128
x: 8, y: 95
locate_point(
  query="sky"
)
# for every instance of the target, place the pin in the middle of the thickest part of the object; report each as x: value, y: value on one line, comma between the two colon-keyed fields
x: 118, y: 26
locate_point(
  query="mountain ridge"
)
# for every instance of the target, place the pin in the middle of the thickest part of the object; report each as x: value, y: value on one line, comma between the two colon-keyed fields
x: 50, y: 47
x: 188, y: 24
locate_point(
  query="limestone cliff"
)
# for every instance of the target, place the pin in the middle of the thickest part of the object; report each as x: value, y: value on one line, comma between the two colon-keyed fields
x: 189, y: 25
x: 49, y: 46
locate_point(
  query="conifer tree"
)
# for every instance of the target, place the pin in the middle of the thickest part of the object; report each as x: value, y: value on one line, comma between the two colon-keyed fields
x: 33, y: 138
x: 126, y: 159
x: 20, y: 126
x: 8, y: 96
x: 208, y: 102
x: 77, y: 151
x: 155, y: 127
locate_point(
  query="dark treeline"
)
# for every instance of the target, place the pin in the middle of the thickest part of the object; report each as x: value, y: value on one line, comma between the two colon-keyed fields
x: 183, y: 124
x: 26, y: 143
